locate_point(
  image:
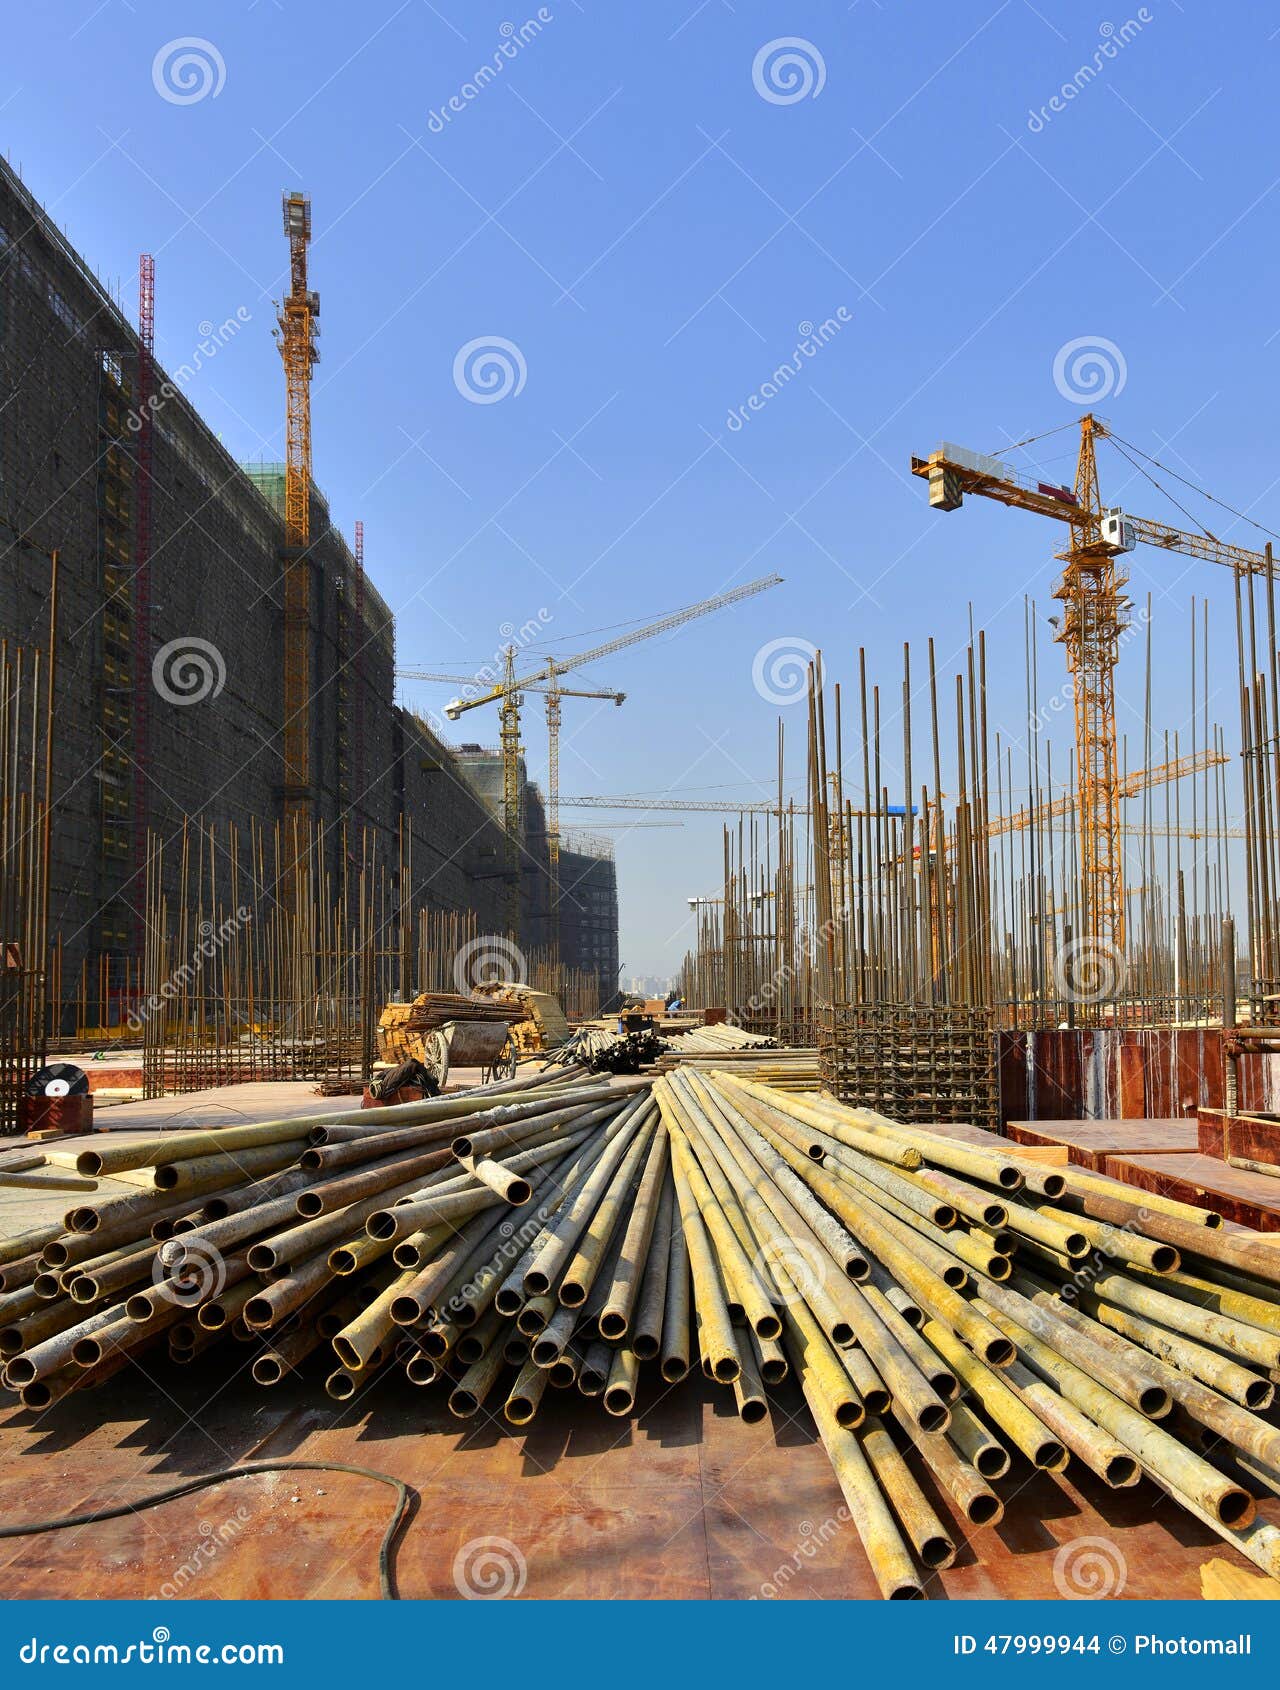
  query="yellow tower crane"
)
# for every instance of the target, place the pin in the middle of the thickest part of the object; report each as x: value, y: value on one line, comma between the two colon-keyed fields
x: 1095, y: 613
x: 507, y: 695
x: 509, y: 735
x: 296, y: 335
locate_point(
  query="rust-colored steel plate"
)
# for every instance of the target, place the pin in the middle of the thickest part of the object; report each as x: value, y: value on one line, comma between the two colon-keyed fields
x: 1248, y: 1199
x: 683, y: 1501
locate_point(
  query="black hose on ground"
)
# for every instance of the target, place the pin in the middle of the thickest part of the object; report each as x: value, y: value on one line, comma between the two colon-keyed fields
x: 406, y: 1505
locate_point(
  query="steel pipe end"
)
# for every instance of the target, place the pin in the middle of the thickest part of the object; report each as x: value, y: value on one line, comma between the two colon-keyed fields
x: 985, y: 1509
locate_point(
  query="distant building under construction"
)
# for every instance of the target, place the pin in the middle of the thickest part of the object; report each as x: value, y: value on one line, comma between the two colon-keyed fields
x: 170, y: 697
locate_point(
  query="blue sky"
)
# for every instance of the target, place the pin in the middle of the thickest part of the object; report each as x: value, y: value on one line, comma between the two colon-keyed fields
x: 647, y: 204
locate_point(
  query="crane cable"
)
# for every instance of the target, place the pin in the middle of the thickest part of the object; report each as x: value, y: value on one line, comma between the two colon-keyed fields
x: 1194, y: 521
x: 1241, y: 516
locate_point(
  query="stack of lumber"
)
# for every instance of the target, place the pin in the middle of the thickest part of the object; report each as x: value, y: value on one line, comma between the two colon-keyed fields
x: 402, y: 1026
x: 541, y: 1023
x: 956, y: 1321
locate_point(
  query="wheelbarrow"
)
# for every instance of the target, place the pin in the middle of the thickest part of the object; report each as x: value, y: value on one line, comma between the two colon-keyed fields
x: 486, y: 1045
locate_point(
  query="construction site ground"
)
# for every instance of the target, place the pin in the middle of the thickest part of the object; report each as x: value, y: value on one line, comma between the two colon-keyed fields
x: 685, y: 1502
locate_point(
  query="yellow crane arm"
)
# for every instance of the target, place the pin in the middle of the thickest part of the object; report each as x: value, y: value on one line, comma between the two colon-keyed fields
x: 952, y: 472
x: 1203, y: 546
x: 1129, y: 787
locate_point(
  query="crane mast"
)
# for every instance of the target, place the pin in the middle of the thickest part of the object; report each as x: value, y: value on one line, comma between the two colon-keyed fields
x: 1094, y: 616
x: 298, y: 328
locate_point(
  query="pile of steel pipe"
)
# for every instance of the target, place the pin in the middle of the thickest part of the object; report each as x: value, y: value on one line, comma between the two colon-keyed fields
x: 956, y: 1318
x: 338, y: 1232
